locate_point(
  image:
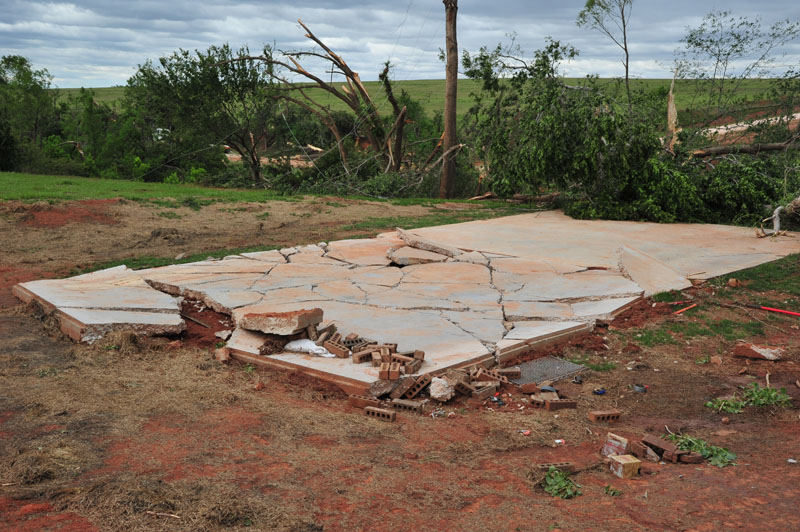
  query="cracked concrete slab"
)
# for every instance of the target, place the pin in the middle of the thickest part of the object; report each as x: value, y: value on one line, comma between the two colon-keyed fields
x: 550, y: 275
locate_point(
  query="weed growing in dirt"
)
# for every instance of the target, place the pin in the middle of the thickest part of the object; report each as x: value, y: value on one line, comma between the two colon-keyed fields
x: 753, y: 395
x: 262, y: 216
x: 611, y: 492
x: 729, y: 406
x: 170, y: 215
x: 249, y: 369
x: 558, y: 484
x: 718, y: 456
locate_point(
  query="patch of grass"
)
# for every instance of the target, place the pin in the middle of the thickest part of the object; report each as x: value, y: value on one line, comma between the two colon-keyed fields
x: 594, y: 366
x: 651, y: 337
x: 667, y: 297
x: 717, y: 456
x: 782, y: 275
x: 30, y: 187
x: 140, y: 263
x: 170, y: 215
x: 334, y: 204
x: 558, y: 484
x: 689, y: 329
x: 736, y: 330
x: 262, y: 216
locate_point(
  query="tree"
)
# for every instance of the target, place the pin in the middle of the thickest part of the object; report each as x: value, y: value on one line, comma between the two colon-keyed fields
x: 27, y: 100
x: 200, y: 101
x: 725, y: 50
x: 611, y: 18
x: 447, y: 183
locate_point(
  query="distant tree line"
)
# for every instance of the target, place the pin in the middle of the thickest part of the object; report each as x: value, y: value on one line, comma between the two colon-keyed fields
x: 604, y: 148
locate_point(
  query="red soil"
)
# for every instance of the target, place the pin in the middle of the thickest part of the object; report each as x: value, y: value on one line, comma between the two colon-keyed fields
x: 87, y: 211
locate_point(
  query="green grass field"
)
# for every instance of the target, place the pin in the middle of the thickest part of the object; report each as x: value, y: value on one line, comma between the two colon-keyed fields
x: 430, y: 93
x: 29, y: 187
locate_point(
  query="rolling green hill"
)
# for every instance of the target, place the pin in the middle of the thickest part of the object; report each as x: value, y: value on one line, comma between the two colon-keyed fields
x: 430, y: 93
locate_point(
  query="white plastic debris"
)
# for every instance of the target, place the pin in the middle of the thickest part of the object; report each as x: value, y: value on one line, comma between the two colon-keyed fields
x: 307, y: 346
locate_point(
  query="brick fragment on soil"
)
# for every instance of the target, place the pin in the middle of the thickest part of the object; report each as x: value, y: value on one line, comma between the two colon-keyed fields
x: 759, y: 352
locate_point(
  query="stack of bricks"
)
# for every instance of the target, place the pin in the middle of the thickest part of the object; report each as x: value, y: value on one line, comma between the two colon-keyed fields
x: 478, y: 382
x: 391, y: 364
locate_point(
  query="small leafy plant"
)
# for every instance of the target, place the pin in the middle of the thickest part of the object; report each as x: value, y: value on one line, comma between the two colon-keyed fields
x: 757, y: 396
x: 249, y: 369
x: 717, y: 456
x: 558, y: 484
x: 729, y: 406
x: 753, y: 395
x: 612, y: 492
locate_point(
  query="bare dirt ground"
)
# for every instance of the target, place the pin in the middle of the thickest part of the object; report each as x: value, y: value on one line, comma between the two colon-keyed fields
x: 144, y: 435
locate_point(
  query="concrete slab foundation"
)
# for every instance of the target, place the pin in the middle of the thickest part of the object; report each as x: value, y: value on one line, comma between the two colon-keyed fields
x: 463, y: 293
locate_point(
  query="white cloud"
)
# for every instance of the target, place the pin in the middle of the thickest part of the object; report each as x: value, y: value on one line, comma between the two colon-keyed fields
x: 100, y: 42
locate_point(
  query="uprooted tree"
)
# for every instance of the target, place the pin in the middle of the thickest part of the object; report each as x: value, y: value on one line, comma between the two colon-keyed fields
x: 385, y: 136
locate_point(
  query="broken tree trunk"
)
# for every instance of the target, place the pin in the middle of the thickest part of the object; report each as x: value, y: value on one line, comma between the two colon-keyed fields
x: 447, y: 183
x: 745, y: 148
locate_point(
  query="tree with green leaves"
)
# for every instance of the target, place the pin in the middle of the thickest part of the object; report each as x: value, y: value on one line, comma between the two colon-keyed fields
x: 27, y: 100
x: 199, y: 101
x: 611, y: 18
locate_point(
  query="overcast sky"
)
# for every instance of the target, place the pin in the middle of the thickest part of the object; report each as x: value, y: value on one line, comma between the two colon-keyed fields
x: 98, y: 43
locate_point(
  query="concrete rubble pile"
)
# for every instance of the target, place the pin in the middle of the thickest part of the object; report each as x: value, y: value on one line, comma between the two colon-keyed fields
x: 472, y: 294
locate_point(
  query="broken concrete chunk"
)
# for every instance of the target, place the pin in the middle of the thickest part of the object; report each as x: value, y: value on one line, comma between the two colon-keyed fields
x: 441, y: 390
x: 408, y: 256
x: 281, y: 323
x: 419, y: 242
x: 650, y: 273
x: 223, y: 335
x: 762, y: 352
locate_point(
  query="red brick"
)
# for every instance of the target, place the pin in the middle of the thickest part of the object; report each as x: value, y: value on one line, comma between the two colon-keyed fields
x: 464, y: 389
x: 380, y: 413
x: 383, y: 372
x: 485, y: 392
x: 419, y: 385
x: 394, y: 371
x: 336, y: 337
x: 658, y: 444
x: 363, y: 401
x: 351, y: 336
x: 511, y: 373
x: 638, y: 449
x: 409, y: 406
x: 338, y: 349
x: 362, y: 356
x: 605, y: 415
x: 566, y: 467
x: 560, y: 404
x: 376, y: 359
x: 413, y: 367
x: 529, y: 387
x: 392, y: 347
x: 401, y: 359
x: 419, y: 355
x: 537, y: 403
x: 402, y: 387
x: 691, y: 458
